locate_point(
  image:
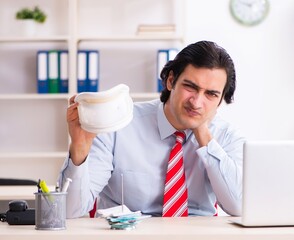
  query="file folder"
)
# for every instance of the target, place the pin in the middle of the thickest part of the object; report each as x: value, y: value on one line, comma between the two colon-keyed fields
x: 63, y: 71
x: 82, y: 71
x: 53, y: 71
x: 42, y: 72
x: 93, y: 71
x: 163, y: 56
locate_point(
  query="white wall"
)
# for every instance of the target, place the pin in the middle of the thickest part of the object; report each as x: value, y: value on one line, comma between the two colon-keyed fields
x: 264, y: 60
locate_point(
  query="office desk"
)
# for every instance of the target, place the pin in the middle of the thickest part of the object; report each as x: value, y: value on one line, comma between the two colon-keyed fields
x: 204, y: 228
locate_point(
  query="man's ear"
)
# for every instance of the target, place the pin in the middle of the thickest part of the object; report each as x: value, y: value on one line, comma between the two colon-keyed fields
x: 170, y: 80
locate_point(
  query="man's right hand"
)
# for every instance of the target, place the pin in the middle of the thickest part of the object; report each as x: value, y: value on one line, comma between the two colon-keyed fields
x: 81, y: 140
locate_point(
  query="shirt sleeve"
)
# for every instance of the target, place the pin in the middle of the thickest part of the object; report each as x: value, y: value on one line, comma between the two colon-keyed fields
x: 88, y: 179
x: 78, y: 189
x: 224, y: 168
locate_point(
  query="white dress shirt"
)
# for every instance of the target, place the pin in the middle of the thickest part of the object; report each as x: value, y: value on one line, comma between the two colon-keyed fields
x: 141, y: 151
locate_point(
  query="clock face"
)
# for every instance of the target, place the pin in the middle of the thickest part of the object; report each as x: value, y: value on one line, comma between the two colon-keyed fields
x: 249, y: 12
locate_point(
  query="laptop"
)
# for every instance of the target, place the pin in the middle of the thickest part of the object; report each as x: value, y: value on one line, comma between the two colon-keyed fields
x: 268, y: 184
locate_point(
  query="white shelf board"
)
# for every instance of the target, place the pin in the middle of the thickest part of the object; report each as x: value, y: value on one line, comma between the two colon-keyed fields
x: 33, y: 96
x: 33, y: 155
x: 143, y: 37
x: 139, y: 95
x: 144, y: 96
x: 19, y: 192
x: 11, y: 39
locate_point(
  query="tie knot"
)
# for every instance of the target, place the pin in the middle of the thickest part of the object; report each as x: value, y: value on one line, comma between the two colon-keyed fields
x: 180, y: 136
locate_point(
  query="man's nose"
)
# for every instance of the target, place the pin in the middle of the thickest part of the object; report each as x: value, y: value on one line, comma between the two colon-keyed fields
x: 197, y: 99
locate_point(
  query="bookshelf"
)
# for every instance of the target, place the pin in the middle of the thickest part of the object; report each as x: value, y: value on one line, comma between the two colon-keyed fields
x: 33, y: 129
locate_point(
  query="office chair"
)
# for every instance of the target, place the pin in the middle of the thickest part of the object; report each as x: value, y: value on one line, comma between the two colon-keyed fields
x: 17, y: 182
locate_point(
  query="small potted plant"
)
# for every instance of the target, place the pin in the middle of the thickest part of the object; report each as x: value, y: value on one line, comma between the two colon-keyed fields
x: 35, y: 14
x: 31, y: 16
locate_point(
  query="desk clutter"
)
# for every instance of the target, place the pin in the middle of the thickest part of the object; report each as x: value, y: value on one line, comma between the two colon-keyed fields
x: 121, y: 217
x: 51, y: 206
x: 49, y: 212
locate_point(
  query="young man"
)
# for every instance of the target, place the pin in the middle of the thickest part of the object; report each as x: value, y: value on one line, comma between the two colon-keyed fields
x: 195, y: 83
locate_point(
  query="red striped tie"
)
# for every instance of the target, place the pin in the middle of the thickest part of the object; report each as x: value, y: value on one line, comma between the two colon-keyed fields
x: 175, y: 200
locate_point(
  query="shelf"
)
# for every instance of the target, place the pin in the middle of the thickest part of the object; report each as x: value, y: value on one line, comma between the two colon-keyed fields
x: 34, y: 39
x: 144, y: 96
x: 143, y: 37
x: 33, y: 155
x: 135, y: 96
x: 19, y: 192
x: 34, y: 126
x: 33, y: 96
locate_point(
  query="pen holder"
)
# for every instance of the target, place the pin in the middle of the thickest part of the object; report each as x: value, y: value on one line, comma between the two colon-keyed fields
x: 50, y: 211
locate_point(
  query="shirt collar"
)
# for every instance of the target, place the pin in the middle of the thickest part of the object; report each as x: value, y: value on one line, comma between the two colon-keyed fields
x: 164, y: 127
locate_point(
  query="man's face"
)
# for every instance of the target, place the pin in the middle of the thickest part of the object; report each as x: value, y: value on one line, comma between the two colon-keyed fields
x: 195, y: 97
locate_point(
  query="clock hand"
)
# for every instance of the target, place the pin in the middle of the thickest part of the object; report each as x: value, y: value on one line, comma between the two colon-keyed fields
x: 246, y: 3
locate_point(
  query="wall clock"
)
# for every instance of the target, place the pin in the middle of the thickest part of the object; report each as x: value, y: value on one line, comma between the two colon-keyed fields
x: 249, y: 12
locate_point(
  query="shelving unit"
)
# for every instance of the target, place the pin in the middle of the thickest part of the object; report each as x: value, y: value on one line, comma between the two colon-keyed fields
x: 33, y: 129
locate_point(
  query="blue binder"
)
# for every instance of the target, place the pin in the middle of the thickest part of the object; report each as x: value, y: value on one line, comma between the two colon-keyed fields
x: 163, y: 56
x: 63, y: 71
x: 82, y: 71
x: 93, y: 71
x: 42, y: 72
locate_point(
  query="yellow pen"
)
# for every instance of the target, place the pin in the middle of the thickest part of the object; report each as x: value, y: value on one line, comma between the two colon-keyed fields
x: 44, y: 187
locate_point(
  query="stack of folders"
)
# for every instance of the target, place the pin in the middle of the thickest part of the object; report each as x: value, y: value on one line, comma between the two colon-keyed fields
x: 163, y: 56
x: 52, y: 71
x: 88, y: 69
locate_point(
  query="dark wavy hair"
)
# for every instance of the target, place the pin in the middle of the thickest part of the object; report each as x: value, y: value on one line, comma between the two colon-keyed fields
x: 202, y: 54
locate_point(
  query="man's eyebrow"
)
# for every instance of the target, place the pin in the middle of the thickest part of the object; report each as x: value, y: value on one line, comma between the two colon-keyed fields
x: 195, y: 86
x: 192, y: 84
x: 214, y: 92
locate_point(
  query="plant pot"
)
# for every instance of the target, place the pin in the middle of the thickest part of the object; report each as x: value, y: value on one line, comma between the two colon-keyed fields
x: 28, y: 27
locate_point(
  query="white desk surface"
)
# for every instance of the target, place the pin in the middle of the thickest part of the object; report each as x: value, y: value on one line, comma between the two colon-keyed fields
x: 204, y: 228
x: 19, y: 192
